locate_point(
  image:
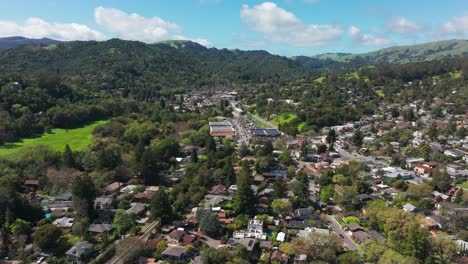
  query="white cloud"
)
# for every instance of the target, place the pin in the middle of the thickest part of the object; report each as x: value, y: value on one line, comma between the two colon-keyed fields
x: 401, y: 25
x: 134, y: 26
x: 200, y: 41
x: 455, y: 26
x: 34, y: 27
x: 367, y: 39
x: 280, y: 26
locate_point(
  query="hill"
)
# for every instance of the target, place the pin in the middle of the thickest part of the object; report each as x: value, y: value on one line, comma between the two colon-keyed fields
x: 12, y: 42
x: 393, y: 55
x: 118, y: 63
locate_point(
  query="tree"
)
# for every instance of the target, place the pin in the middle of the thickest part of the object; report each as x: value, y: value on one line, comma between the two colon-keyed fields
x: 68, y: 158
x: 419, y: 191
x: 459, y: 196
x: 194, y: 156
x: 84, y: 193
x: 441, y: 180
x: 109, y: 157
x: 245, y: 198
x: 20, y: 227
x: 326, y: 193
x: 213, y: 256
x: 357, y: 138
x: 331, y: 136
x: 149, y: 168
x: 139, y: 149
x: 443, y: 247
x: 350, y: 257
x: 301, y: 190
x: 281, y: 206
x: 321, y: 148
x: 209, y: 222
x: 433, y: 131
x: 229, y: 173
x: 122, y: 221
x: 46, y: 236
x: 278, y: 188
x: 210, y: 145
x: 161, y: 207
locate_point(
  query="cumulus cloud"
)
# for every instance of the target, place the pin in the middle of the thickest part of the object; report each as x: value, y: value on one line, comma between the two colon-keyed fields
x: 367, y: 39
x: 34, y: 27
x: 280, y: 26
x: 200, y: 41
x: 455, y: 26
x: 134, y: 26
x: 401, y: 25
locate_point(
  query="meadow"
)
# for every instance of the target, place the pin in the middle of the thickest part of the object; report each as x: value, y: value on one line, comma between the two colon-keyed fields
x: 76, y: 138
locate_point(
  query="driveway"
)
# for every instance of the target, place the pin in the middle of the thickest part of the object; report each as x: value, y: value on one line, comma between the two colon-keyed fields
x: 347, y: 241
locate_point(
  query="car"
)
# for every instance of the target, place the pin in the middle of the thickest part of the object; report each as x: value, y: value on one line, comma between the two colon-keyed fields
x: 341, y: 235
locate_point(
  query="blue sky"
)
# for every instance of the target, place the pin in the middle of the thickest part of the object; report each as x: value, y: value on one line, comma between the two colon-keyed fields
x: 285, y: 27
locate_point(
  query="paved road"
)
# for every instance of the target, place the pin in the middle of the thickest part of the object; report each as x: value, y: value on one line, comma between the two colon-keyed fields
x: 347, y: 241
x: 147, y: 232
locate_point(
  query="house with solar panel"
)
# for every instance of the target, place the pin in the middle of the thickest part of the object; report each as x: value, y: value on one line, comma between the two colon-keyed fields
x: 265, y: 133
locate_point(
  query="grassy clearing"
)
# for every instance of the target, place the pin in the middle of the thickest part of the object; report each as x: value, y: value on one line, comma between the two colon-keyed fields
x: 283, y: 118
x: 464, y: 185
x: 380, y: 93
x: 455, y: 75
x: 301, y: 126
x: 320, y: 79
x: 77, y: 138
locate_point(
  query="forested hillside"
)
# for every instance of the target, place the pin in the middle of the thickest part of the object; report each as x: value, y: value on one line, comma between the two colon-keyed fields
x: 120, y: 64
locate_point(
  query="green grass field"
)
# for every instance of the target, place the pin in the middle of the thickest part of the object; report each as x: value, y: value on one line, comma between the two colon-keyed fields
x: 283, y: 118
x: 77, y: 138
x: 464, y: 185
x: 455, y: 75
x: 320, y: 79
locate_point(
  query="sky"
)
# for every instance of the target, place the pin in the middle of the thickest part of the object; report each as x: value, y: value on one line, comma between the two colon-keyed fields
x: 284, y: 27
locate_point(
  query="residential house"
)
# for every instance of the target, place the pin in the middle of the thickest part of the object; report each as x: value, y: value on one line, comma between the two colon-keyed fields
x: 249, y: 243
x: 409, y: 208
x: 79, y: 252
x: 64, y: 222
x: 278, y: 256
x: 104, y: 202
x: 361, y: 236
x: 254, y: 230
x: 176, y: 253
x: 97, y: 229
x: 304, y: 214
x: 136, y: 208
x: 113, y: 187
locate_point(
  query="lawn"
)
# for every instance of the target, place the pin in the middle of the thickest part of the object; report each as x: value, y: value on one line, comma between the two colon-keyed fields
x: 320, y: 79
x: 283, y: 118
x: 464, y: 185
x: 455, y: 75
x: 77, y: 138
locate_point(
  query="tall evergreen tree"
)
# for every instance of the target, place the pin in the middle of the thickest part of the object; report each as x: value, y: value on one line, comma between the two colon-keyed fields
x: 84, y: 193
x: 139, y: 149
x: 194, y: 156
x: 68, y: 158
x: 245, y: 198
x: 161, y: 207
x: 230, y: 175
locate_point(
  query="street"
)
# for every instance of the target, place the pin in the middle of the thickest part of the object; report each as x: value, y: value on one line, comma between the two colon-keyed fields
x: 347, y: 241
